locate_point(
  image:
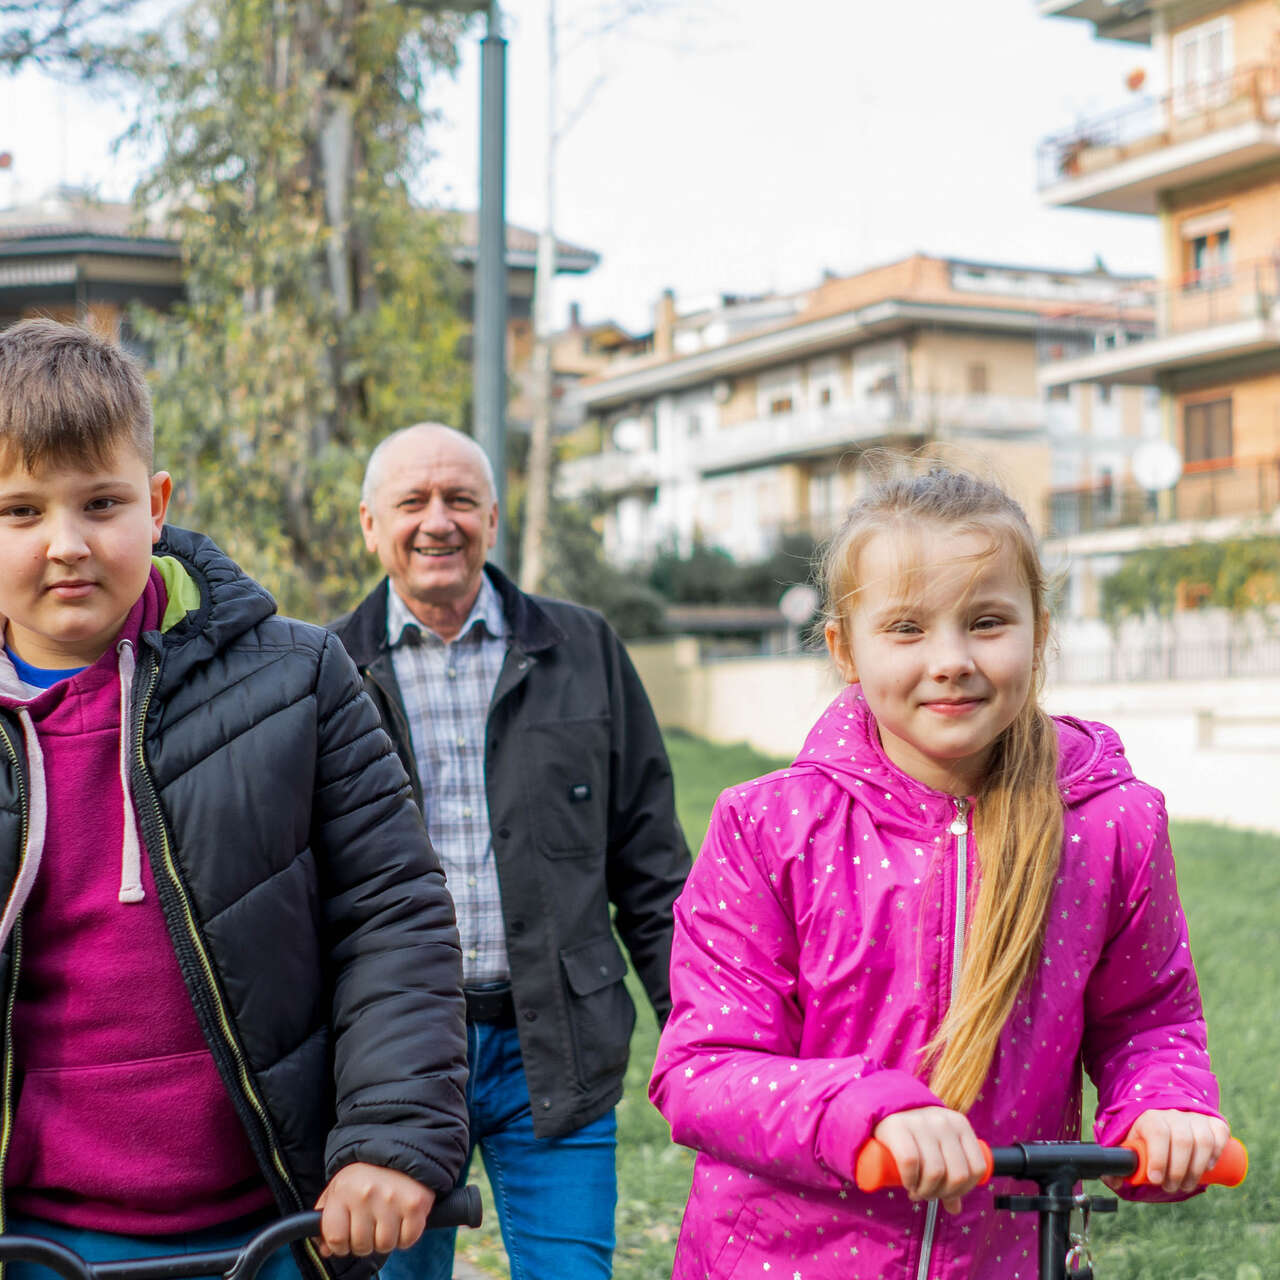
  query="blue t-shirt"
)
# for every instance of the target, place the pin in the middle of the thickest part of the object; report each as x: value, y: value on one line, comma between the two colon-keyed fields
x: 40, y: 677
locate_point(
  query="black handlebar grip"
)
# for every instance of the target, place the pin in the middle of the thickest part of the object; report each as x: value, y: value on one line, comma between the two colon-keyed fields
x: 462, y: 1207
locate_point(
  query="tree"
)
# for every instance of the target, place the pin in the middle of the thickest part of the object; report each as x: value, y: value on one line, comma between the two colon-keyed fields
x: 319, y: 312
x: 709, y: 575
x: 1237, y: 574
x: 62, y: 33
x: 606, y: 19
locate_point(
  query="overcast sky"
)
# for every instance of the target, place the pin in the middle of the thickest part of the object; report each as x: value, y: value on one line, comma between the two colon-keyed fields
x: 741, y: 145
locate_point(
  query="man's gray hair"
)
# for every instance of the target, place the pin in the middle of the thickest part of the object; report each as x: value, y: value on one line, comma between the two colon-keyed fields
x: 376, y: 466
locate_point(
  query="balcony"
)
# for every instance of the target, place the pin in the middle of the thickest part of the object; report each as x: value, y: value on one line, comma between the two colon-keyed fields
x: 1207, y: 491
x: 1122, y: 160
x: 1218, y: 314
x: 811, y: 433
x: 1112, y: 19
x: 613, y: 473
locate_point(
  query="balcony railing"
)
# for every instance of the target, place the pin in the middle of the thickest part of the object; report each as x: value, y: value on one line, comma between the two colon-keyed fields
x: 1219, y: 295
x: 832, y: 427
x: 612, y: 472
x: 805, y: 433
x: 1220, y: 487
x: 1250, y: 93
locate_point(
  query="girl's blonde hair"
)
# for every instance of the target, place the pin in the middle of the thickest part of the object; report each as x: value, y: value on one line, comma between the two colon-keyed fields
x: 1018, y: 811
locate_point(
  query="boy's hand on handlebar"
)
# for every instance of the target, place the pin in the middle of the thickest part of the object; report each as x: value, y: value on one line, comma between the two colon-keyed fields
x: 1181, y: 1147
x: 367, y: 1209
x: 936, y: 1151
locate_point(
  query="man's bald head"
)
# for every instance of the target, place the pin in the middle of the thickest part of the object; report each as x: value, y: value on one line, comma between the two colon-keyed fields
x: 431, y: 438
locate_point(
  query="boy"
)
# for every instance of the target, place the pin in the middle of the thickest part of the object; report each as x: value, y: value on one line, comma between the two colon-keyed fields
x: 225, y: 934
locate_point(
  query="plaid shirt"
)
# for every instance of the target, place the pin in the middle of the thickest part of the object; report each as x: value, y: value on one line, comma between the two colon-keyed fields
x: 447, y: 689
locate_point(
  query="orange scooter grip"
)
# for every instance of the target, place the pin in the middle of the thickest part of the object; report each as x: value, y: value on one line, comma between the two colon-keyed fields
x: 1230, y: 1170
x: 876, y: 1168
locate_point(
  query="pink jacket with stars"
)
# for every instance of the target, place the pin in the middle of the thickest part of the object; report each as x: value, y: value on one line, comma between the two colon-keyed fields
x: 817, y: 942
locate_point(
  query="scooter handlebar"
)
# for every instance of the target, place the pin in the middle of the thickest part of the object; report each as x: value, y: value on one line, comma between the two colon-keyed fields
x: 876, y: 1168
x: 1229, y: 1171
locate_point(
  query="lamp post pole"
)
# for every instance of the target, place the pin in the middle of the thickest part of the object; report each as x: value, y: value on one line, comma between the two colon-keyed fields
x: 489, y: 318
x: 489, y: 365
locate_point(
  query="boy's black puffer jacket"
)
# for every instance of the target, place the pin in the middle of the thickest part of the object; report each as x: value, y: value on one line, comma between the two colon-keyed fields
x: 305, y: 903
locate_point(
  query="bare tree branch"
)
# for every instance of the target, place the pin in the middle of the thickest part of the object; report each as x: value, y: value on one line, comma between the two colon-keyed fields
x: 571, y: 117
x: 52, y: 33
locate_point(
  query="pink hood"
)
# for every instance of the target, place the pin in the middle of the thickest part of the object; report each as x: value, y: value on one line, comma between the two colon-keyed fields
x: 816, y: 945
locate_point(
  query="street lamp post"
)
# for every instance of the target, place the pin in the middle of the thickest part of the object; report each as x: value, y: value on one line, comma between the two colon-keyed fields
x: 489, y: 325
x: 489, y: 368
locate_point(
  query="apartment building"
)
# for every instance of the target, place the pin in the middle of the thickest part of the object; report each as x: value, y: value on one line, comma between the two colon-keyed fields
x: 749, y: 419
x: 1197, y: 149
x: 74, y: 258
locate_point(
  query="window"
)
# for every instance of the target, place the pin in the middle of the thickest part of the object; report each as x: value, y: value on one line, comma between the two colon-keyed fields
x: 778, y: 392
x: 1208, y: 259
x: 1105, y: 490
x: 1203, y: 60
x: 1104, y: 393
x: 1206, y: 431
x: 978, y: 379
x: 824, y: 382
x: 1060, y: 391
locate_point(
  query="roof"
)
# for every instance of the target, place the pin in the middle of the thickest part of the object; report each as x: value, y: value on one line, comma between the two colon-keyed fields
x: 694, y: 618
x: 919, y: 289
x: 522, y: 246
x: 72, y: 221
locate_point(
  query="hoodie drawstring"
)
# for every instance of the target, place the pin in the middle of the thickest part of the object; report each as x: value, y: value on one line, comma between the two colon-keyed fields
x: 37, y: 825
x: 131, y: 889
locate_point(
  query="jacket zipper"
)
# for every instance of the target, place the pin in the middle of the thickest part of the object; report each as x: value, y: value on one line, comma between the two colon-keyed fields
x: 6, y: 1098
x: 194, y: 959
x: 960, y: 829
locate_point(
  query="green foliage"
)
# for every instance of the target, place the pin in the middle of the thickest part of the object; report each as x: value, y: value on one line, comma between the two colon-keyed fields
x: 1239, y: 574
x: 574, y: 562
x: 709, y: 575
x: 319, y: 311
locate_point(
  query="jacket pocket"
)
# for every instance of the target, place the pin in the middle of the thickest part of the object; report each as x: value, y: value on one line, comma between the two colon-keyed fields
x: 600, y: 1010
x: 568, y: 785
x: 725, y: 1266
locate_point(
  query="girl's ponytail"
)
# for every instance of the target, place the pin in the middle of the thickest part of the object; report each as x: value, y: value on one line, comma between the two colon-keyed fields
x: 1018, y: 828
x: 1018, y: 814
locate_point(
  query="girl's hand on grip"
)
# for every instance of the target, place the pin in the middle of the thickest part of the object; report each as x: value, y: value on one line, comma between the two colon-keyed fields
x: 936, y: 1151
x: 1181, y: 1146
x: 367, y: 1209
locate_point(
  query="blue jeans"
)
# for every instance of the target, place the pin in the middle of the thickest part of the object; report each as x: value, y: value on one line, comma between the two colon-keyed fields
x: 101, y: 1246
x: 556, y: 1197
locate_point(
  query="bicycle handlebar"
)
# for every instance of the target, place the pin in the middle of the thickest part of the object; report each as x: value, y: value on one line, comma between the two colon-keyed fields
x: 876, y: 1168
x: 460, y: 1208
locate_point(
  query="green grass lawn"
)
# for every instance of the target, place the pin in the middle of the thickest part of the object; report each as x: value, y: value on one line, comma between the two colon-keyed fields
x: 1230, y: 884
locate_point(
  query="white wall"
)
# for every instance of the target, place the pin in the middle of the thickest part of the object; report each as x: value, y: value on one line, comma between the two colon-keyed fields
x: 1213, y: 747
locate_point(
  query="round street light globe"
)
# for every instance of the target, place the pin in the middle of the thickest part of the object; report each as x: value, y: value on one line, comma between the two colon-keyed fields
x: 1157, y: 465
x: 799, y: 604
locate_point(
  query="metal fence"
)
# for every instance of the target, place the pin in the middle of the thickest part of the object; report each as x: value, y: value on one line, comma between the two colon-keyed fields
x: 1201, y: 660
x: 1188, y: 112
x: 1228, y: 487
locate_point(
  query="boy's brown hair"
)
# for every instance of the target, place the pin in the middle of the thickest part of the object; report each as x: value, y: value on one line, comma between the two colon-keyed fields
x: 69, y: 397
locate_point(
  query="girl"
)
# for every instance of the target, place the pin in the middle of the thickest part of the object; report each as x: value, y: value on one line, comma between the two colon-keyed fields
x: 921, y: 929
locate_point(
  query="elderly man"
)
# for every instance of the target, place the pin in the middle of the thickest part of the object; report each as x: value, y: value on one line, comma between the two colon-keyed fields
x: 548, y: 795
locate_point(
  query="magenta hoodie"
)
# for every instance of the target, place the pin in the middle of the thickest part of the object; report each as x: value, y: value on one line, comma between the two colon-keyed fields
x: 816, y: 948
x: 122, y: 1122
